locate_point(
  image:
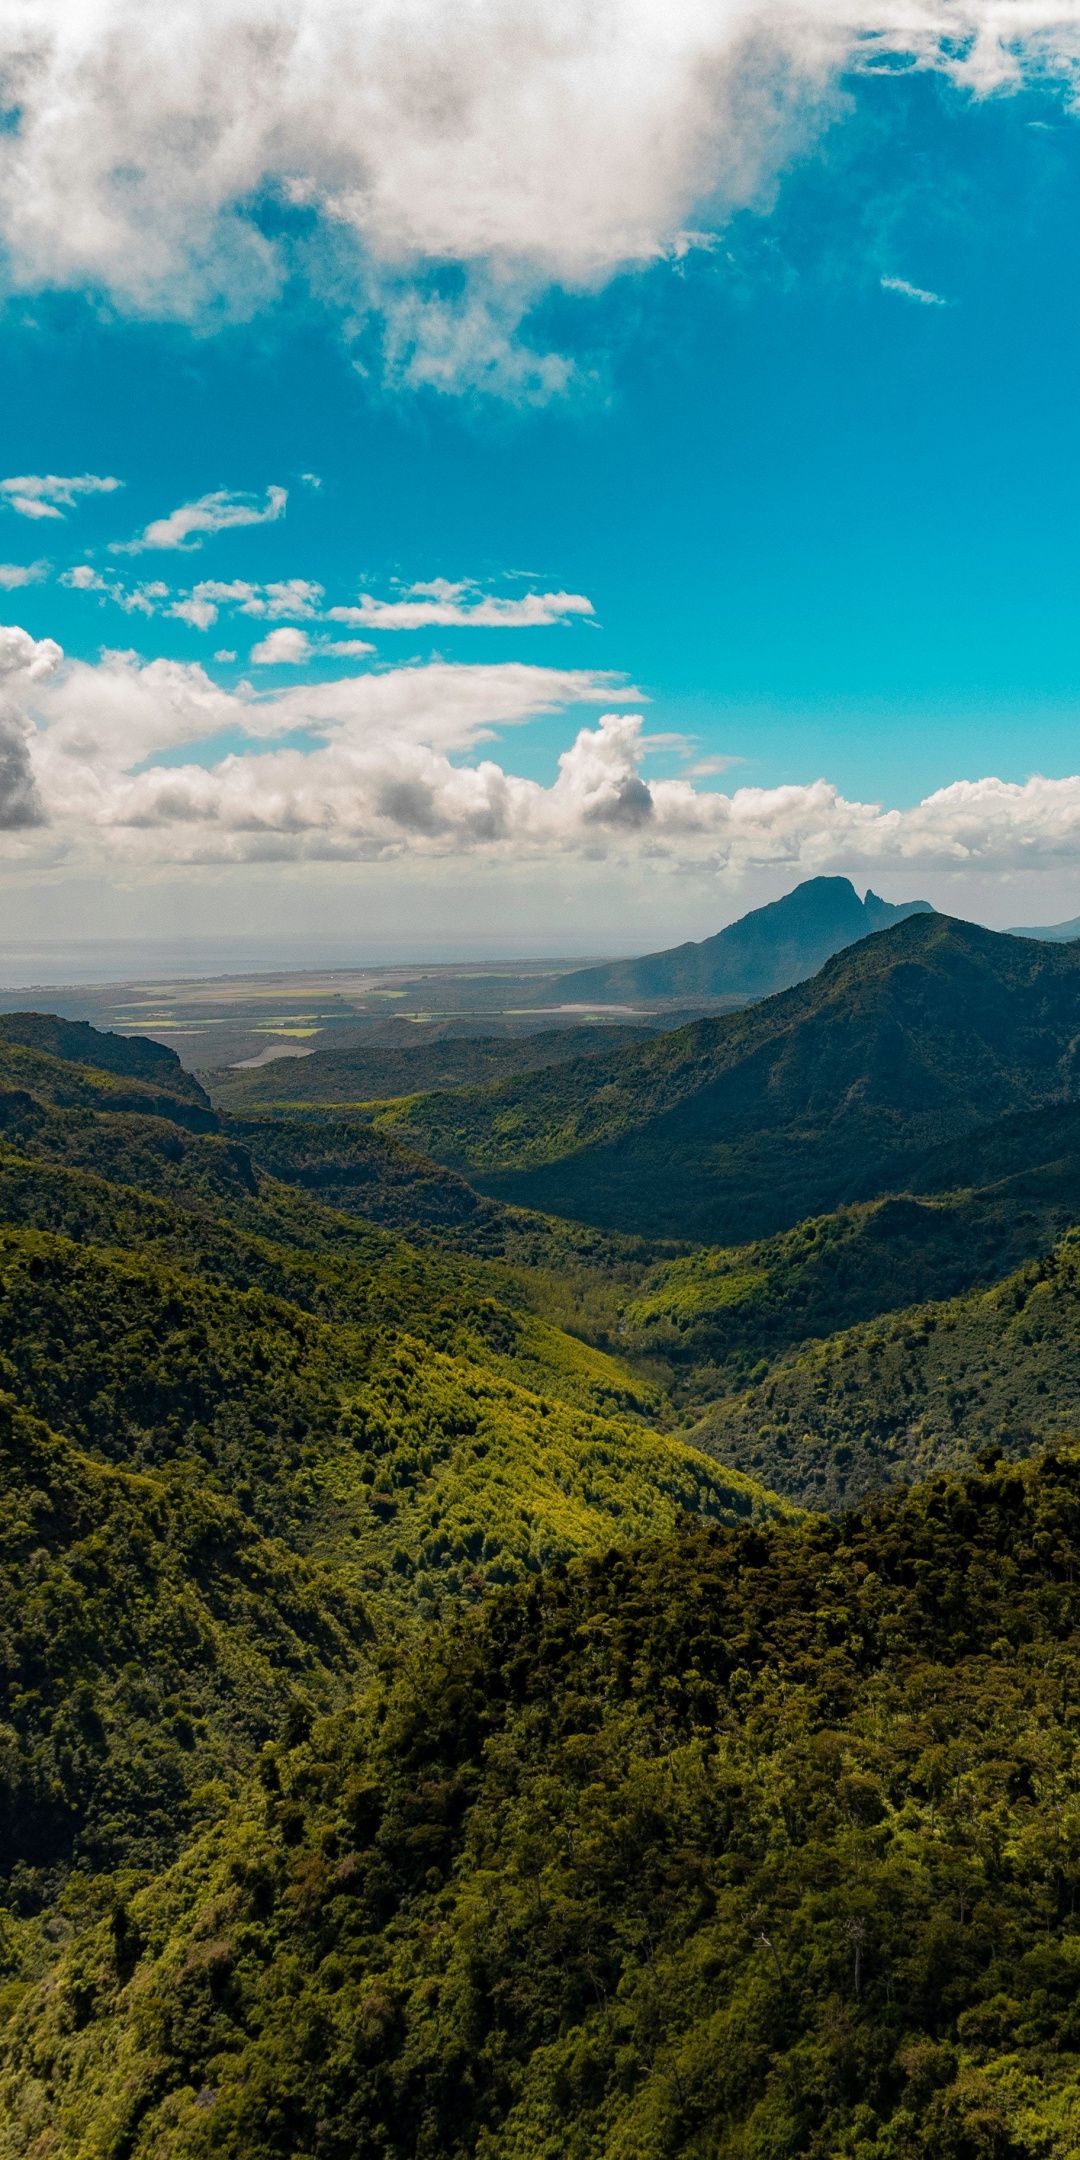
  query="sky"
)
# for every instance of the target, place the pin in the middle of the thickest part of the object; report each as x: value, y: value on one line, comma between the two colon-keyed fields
x: 534, y: 478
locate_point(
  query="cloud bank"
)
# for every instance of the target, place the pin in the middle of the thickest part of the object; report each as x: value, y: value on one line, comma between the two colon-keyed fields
x: 529, y: 145
x: 374, y: 766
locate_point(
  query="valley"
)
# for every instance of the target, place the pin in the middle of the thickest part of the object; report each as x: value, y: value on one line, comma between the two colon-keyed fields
x: 548, y: 1596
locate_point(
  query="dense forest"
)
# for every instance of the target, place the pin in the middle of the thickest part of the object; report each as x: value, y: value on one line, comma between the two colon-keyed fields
x: 758, y: 1842
x: 481, y: 1682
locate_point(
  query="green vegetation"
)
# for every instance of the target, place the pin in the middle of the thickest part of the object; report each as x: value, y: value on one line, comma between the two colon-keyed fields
x: 760, y: 1842
x: 371, y: 1071
x: 250, y: 1441
x: 721, y: 1317
x: 431, y: 1727
x: 75, y: 1043
x: 914, y: 1392
x: 148, y: 1635
x: 738, y: 1127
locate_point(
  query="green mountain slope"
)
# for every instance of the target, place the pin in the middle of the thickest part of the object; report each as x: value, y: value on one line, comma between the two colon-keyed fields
x: 149, y: 1638
x: 915, y: 1391
x: 131, y: 1057
x: 765, y: 951
x: 831, y: 1092
x: 248, y: 1440
x: 757, y: 1843
x: 719, y: 1316
x: 67, y: 1082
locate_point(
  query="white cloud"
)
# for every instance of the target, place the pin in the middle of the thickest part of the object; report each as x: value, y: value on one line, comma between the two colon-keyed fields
x: 200, y: 606
x: 25, y: 662
x: 26, y: 658
x: 144, y: 599
x: 445, y: 605
x: 289, y: 596
x: 225, y: 654
x: 311, y: 479
x: 401, y: 765
x: 292, y: 596
x: 531, y: 147
x: 47, y: 495
x: 708, y: 768
x: 281, y: 648
x: 188, y: 526
x: 347, y: 648
x: 919, y: 293
x: 12, y: 575
x: 200, y: 613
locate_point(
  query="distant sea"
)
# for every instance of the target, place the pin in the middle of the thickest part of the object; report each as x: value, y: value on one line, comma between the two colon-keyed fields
x: 123, y: 960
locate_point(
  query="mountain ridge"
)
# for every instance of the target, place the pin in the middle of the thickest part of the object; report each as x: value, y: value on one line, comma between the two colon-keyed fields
x: 735, y: 1126
x: 764, y: 951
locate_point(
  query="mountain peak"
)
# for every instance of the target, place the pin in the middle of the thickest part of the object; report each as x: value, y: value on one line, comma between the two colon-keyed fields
x: 767, y: 950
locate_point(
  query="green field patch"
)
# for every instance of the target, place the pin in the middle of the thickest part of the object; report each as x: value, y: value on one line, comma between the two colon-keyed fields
x: 283, y: 1027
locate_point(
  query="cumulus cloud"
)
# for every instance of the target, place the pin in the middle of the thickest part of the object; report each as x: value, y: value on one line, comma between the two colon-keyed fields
x: 528, y: 146
x: 12, y: 574
x: 24, y: 663
x: 119, y: 759
x: 445, y: 605
x: 439, y: 603
x: 19, y: 803
x: 281, y: 648
x: 46, y: 495
x: 191, y: 524
x: 24, y: 658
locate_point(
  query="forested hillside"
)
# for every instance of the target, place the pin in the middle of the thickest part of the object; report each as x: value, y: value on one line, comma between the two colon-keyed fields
x: 737, y: 1127
x: 248, y: 1441
x: 721, y: 1316
x: 758, y: 1842
x: 447, y: 1709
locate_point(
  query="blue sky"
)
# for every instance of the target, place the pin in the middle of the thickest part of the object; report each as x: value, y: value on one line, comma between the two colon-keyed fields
x: 815, y: 471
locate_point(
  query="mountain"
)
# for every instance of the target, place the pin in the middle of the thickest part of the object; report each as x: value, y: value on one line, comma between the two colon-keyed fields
x: 765, y: 951
x: 736, y: 1127
x: 1057, y: 933
x: 75, y: 1042
x: 720, y: 1317
x: 758, y: 1842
